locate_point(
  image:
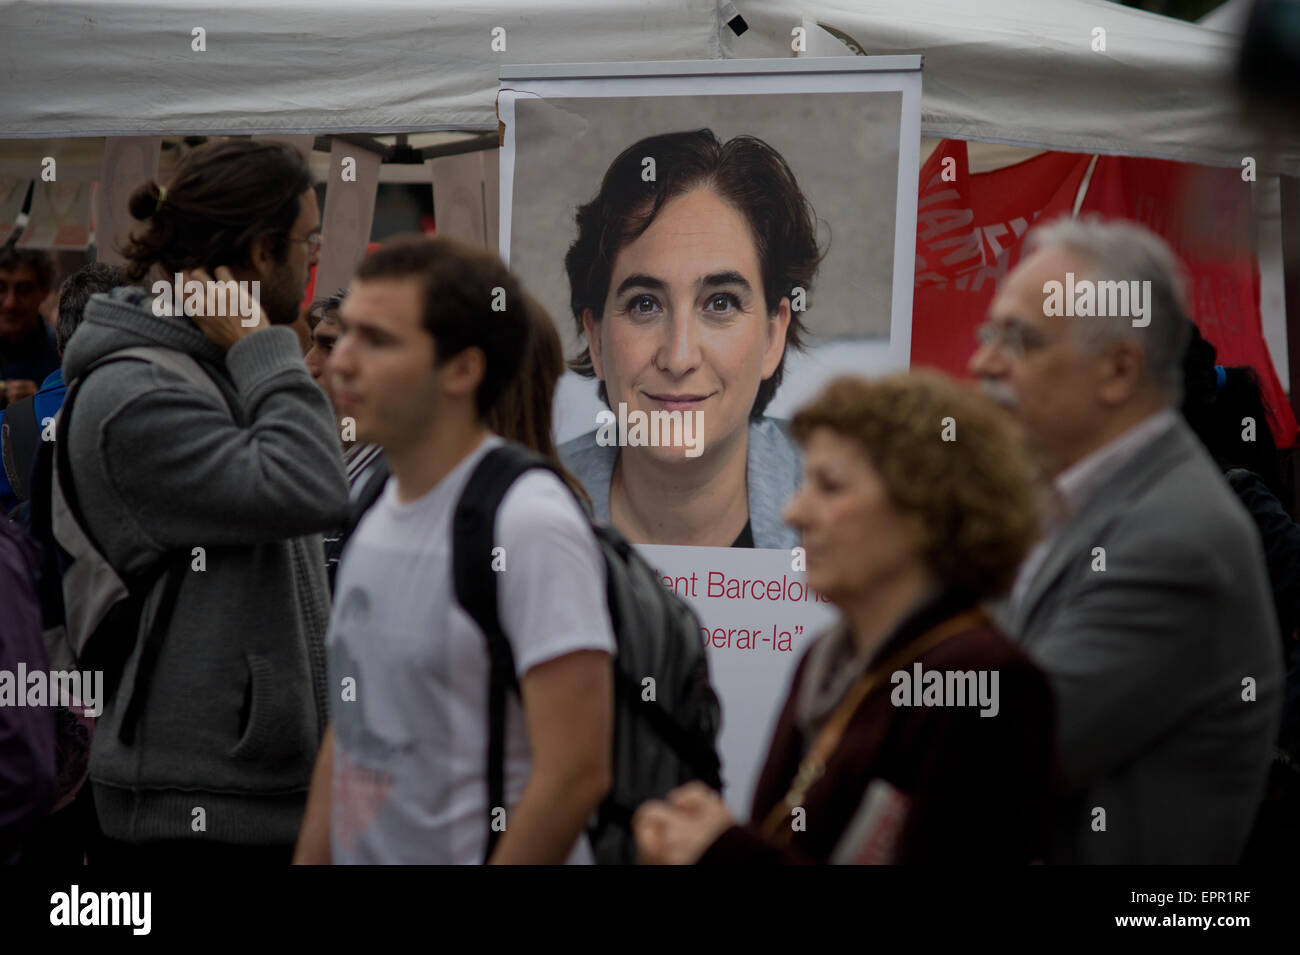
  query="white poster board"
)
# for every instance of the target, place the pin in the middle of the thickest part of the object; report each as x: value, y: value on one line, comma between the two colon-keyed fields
x: 847, y: 134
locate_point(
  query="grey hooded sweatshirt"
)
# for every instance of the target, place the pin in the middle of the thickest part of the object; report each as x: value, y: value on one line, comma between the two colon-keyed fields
x: 236, y: 700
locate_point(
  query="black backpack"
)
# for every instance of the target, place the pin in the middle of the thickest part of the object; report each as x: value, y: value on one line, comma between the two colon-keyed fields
x: 659, y: 743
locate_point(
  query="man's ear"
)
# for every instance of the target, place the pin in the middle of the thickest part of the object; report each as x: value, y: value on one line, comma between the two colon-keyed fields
x: 260, y: 256
x: 463, y: 372
x: 1122, y: 371
x: 591, y: 329
x: 777, y: 326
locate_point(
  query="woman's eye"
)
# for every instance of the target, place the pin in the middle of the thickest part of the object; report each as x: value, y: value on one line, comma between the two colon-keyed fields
x: 722, y: 302
x: 642, y: 305
x: 828, y: 485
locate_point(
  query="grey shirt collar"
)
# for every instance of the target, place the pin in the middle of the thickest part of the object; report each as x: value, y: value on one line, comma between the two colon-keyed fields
x: 772, y: 469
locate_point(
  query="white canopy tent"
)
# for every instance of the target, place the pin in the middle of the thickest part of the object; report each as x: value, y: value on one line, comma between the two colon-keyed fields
x: 1026, y: 73
x: 1012, y: 71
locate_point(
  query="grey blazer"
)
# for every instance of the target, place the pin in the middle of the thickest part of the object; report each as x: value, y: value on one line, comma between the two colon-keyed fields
x: 1148, y: 659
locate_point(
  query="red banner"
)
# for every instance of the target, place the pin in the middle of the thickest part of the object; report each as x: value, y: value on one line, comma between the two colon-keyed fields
x: 970, y: 229
x: 1205, y: 215
x: 968, y: 235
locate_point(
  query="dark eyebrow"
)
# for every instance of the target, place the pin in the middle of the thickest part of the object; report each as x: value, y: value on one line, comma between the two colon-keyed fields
x: 362, y: 326
x: 640, y: 280
x: 729, y: 277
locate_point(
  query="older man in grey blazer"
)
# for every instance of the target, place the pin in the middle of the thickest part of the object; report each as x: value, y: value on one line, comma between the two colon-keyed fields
x: 1147, y: 600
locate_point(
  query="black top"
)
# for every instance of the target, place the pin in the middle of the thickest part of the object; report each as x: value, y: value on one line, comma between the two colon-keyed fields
x: 31, y: 359
x: 746, y: 538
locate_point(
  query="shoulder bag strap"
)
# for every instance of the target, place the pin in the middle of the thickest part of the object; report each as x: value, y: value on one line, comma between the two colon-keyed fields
x: 814, y: 764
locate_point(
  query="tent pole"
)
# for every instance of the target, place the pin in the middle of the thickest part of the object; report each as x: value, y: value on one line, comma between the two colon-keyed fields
x: 1290, y: 187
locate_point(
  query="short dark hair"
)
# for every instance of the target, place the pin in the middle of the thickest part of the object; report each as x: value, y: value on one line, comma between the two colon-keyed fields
x: 1214, y: 409
x: 12, y: 257
x: 463, y: 287
x: 323, y: 308
x: 746, y: 173
x: 76, y: 291
x: 222, y: 196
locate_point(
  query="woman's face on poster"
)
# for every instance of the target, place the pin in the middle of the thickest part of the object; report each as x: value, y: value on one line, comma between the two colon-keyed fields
x: 685, y: 325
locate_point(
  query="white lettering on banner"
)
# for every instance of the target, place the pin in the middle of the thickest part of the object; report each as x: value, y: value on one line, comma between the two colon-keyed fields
x: 757, y: 617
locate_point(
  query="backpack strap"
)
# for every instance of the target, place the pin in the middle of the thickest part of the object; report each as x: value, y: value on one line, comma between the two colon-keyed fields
x: 177, y: 362
x: 473, y: 534
x: 365, y: 500
x: 21, y: 437
x: 61, y: 483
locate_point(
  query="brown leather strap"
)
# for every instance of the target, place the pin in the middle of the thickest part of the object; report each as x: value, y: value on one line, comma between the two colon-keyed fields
x: 776, y: 825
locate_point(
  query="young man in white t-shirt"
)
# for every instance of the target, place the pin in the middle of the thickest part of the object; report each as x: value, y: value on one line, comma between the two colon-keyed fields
x: 402, y: 773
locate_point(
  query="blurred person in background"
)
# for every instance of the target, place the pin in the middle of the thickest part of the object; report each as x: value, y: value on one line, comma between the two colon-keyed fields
x: 28, y: 777
x: 361, y: 459
x: 64, y: 836
x: 28, y: 350
x: 1147, y: 601
x: 402, y: 775
x: 1225, y: 407
x: 906, y: 533
x: 524, y: 412
x: 41, y: 407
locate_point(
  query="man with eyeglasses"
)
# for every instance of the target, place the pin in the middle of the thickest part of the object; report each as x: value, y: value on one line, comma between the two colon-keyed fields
x: 211, y: 461
x: 1147, y: 602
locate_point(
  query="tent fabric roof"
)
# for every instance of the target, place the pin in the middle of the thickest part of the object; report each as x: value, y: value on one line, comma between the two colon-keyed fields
x: 127, y: 67
x: 1014, y: 71
x: 1024, y: 72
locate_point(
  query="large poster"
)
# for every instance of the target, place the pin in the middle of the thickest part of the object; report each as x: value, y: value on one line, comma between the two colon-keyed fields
x: 714, y: 242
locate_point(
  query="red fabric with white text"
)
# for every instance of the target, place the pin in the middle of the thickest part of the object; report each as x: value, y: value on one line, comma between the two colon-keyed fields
x: 970, y: 231
x: 1205, y: 214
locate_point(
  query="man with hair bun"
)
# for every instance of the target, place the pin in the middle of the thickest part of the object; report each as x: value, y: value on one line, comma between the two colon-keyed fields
x: 216, y: 444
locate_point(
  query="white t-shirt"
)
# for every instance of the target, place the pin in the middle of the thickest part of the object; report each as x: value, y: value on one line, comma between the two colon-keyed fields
x: 410, y: 751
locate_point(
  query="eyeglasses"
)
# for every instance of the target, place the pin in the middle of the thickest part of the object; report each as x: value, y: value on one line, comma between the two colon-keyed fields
x: 314, y: 242
x: 1019, y: 340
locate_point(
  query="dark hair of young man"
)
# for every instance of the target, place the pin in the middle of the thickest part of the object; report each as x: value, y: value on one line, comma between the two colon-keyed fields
x: 745, y: 172
x: 222, y: 196
x: 75, y: 292
x: 325, y: 308
x: 470, y: 301
x: 523, y: 413
x: 13, y: 258
x: 1215, y: 413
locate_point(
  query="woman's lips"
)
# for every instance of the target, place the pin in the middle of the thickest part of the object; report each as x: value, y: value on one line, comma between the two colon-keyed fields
x: 677, y: 402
